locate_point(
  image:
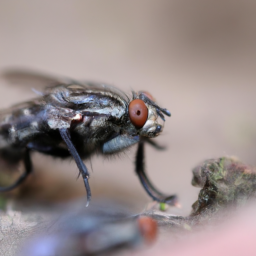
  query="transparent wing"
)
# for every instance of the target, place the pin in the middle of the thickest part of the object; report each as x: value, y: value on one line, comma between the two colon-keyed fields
x: 39, y: 81
x: 32, y: 79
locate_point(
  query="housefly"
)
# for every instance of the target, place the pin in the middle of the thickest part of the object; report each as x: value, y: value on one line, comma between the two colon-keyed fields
x: 78, y: 119
x: 100, y: 228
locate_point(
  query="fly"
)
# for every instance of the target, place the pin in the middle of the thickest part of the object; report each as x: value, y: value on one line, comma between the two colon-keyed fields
x: 78, y: 119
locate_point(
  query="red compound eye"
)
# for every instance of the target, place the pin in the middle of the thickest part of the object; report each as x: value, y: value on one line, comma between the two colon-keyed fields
x: 148, y: 228
x: 138, y: 113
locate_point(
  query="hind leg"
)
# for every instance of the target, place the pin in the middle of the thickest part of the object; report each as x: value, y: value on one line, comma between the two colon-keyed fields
x: 28, y: 170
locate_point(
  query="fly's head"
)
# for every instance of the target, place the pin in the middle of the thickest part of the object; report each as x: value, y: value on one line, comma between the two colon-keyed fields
x: 146, y: 116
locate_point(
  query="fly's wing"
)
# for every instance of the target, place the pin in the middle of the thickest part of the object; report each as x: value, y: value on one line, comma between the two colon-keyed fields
x: 39, y: 81
x: 33, y: 79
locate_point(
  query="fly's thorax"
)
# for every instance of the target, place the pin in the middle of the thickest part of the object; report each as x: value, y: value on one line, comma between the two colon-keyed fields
x: 95, y: 128
x: 88, y: 100
x: 92, y: 107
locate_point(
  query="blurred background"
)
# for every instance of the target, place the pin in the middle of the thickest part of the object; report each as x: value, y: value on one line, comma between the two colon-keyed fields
x: 197, y: 58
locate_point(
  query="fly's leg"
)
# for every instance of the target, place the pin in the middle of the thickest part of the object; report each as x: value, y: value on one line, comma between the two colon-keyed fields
x: 65, y: 134
x: 153, y: 144
x: 28, y: 170
x: 150, y: 189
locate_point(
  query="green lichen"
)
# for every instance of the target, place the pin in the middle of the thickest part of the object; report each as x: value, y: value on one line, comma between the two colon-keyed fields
x: 224, y: 181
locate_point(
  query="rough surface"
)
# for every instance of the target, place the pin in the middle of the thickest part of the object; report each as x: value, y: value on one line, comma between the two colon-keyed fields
x: 224, y: 182
x: 15, y: 227
x: 226, y: 185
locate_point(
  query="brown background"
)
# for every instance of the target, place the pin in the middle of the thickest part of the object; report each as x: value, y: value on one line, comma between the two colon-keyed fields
x: 196, y: 57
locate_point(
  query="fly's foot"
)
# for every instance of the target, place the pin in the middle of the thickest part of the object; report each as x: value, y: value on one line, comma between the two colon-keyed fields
x: 88, y: 190
x: 170, y: 200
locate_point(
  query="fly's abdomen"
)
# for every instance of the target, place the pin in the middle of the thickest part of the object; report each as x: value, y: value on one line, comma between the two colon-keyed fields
x: 19, y: 125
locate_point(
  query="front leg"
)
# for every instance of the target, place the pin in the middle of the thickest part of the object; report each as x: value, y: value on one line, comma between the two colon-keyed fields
x: 65, y: 134
x: 150, y: 189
